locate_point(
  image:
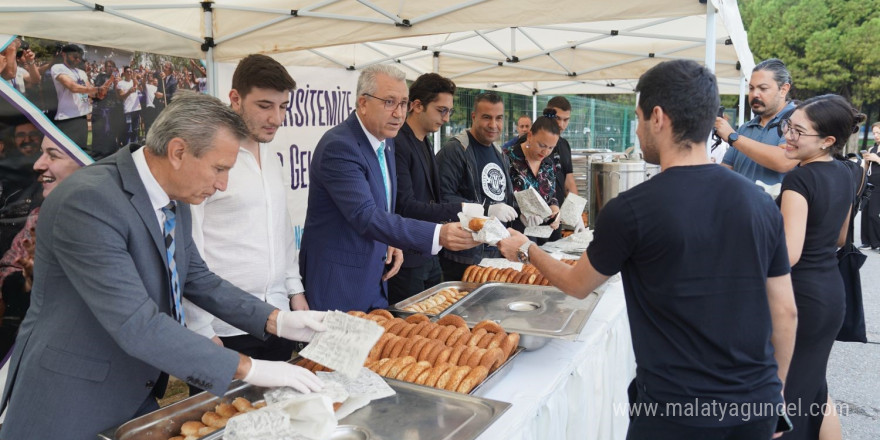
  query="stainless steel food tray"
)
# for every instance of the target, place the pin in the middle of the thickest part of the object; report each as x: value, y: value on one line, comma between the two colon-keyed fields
x: 424, y: 412
x: 397, y: 309
x: 537, y: 313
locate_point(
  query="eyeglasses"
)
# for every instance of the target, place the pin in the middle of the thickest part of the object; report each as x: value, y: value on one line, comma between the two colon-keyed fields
x: 445, y: 111
x: 391, y: 104
x: 24, y: 134
x: 787, y: 129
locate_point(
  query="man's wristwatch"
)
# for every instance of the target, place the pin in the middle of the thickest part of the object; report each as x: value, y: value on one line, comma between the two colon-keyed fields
x: 522, y: 254
x: 733, y: 137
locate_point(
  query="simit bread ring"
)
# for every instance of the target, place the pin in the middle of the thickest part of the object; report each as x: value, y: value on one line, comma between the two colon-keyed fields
x: 381, y: 312
x: 426, y: 330
x: 459, y: 337
x: 391, y: 323
x: 492, y: 359
x: 467, y: 273
x: 376, y: 351
x: 455, y: 320
x: 456, y: 354
x: 386, y: 350
x: 397, y: 328
x: 418, y: 347
x: 445, y: 332
x: 434, y: 356
x: 425, y: 354
x: 357, y: 313
x: 474, y: 378
x: 463, y: 359
x: 416, y: 371
x: 376, y: 367
x: 407, y: 346
x: 445, y: 352
x: 477, y: 223
x: 433, y: 334
x: 398, y: 364
x: 418, y: 328
x: 455, y: 379
x: 422, y: 378
x: 384, y: 368
x: 496, y: 340
x: 211, y: 418
x: 417, y: 318
x: 438, y: 374
x: 404, y: 371
x: 225, y: 410
x: 193, y: 427
x: 509, y: 344
x: 476, y: 335
x: 476, y: 357
x: 398, y: 348
x: 206, y: 430
x: 242, y: 404
x: 405, y: 331
x: 489, y: 325
x: 485, y: 340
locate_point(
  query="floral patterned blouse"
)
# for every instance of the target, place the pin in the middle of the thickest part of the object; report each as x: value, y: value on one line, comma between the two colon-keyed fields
x: 522, y: 177
x: 9, y: 263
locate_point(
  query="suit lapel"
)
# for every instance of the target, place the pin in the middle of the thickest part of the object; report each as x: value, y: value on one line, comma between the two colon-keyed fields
x: 391, y: 164
x: 419, y: 151
x: 376, y: 184
x: 132, y: 184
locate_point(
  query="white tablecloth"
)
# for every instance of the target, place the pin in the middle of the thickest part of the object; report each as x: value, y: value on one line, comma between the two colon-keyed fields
x: 571, y: 389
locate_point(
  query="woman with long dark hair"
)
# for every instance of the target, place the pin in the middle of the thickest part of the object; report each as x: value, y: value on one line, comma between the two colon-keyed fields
x: 816, y: 210
x: 531, y: 166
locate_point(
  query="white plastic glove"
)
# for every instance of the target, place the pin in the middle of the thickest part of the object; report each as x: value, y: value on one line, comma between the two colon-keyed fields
x: 531, y: 220
x: 502, y: 211
x: 300, y: 325
x: 579, y: 227
x: 472, y: 209
x: 272, y: 374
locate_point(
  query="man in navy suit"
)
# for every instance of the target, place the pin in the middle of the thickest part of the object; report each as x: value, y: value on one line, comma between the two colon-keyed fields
x: 351, y: 232
x: 418, y: 183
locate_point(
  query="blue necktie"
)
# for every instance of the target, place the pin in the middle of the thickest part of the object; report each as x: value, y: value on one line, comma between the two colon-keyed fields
x: 170, y: 220
x: 384, y: 168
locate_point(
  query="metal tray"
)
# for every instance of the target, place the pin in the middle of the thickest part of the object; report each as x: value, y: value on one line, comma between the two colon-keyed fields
x: 537, y: 313
x: 397, y: 309
x: 424, y: 412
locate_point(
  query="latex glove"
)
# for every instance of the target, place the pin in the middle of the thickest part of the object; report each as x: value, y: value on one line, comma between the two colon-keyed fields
x: 300, y: 325
x: 472, y: 209
x: 531, y: 220
x: 555, y: 223
x: 272, y: 374
x: 579, y: 227
x: 502, y: 211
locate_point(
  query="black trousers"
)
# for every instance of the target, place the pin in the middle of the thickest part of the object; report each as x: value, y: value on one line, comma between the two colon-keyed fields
x: 659, y: 428
x: 272, y: 349
x: 412, y: 280
x: 871, y: 214
x: 77, y: 129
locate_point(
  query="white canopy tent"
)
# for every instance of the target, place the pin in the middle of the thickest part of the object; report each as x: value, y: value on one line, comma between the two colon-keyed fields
x: 511, y: 45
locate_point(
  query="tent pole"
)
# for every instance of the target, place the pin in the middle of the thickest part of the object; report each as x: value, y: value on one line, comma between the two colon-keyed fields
x: 741, y: 114
x: 535, y: 103
x: 210, y: 64
x: 710, y: 36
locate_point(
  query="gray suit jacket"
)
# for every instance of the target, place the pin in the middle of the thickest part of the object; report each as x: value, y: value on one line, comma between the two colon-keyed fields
x: 98, y: 332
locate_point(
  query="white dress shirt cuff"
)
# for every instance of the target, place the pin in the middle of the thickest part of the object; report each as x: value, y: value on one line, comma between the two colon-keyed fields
x: 435, y: 246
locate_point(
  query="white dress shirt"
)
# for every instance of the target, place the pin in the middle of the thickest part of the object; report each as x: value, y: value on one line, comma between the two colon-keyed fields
x: 158, y: 198
x: 246, y: 237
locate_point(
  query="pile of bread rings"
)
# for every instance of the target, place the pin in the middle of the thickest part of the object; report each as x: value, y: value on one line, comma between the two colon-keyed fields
x: 445, y: 355
x: 437, y: 302
x: 528, y: 275
x: 214, y: 420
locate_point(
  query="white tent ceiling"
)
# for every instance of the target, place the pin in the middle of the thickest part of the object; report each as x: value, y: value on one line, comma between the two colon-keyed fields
x: 613, y: 42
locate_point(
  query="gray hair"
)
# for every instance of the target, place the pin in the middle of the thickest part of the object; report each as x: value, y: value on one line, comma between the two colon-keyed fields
x: 195, y: 118
x: 777, y: 68
x: 368, y: 78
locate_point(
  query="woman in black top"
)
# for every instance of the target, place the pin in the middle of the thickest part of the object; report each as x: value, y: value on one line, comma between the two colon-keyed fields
x: 871, y: 211
x: 816, y: 213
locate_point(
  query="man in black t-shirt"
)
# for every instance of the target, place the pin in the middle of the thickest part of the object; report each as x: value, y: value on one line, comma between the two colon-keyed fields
x: 712, y: 315
x: 562, y: 154
x: 473, y: 169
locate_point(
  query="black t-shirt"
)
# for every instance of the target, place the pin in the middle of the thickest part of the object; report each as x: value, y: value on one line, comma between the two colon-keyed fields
x: 493, y: 181
x: 562, y: 162
x: 829, y: 190
x: 695, y: 246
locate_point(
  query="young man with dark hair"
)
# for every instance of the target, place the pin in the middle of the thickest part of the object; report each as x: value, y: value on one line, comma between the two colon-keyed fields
x: 244, y: 233
x: 473, y: 169
x: 758, y: 151
x: 418, y: 181
x: 713, y: 323
x: 74, y: 91
x: 562, y: 154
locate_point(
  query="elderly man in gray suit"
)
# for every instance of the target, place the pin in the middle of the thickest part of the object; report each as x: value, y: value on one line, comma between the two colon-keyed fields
x: 104, y: 326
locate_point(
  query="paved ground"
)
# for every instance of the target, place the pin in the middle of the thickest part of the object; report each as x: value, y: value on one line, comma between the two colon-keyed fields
x: 854, y: 369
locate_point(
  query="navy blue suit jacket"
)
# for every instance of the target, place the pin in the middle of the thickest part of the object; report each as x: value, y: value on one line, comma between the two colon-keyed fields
x: 418, y: 187
x: 348, y: 229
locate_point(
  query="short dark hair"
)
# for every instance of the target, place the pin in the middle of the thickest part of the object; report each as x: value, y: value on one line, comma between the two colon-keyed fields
x: 559, y: 102
x: 546, y: 122
x: 426, y: 88
x: 775, y: 66
x: 687, y: 92
x: 261, y: 71
x: 71, y: 48
x: 833, y: 115
x: 490, y: 97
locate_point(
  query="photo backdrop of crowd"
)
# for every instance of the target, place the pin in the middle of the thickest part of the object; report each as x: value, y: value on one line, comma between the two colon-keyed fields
x: 101, y: 98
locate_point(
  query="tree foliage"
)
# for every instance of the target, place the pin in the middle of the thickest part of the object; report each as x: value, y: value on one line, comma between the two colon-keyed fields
x: 830, y: 46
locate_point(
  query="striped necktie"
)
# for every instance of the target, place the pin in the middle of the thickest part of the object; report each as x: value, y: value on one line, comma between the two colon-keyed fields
x: 170, y: 220
x: 384, y: 166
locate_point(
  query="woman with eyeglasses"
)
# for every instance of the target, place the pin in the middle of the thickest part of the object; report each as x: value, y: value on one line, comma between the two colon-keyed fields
x: 531, y: 166
x: 815, y: 209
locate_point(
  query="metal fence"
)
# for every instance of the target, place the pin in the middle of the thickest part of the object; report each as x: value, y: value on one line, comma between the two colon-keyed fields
x: 594, y: 123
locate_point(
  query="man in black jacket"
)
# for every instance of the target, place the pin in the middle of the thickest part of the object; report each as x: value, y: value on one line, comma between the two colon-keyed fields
x: 473, y: 169
x: 418, y: 181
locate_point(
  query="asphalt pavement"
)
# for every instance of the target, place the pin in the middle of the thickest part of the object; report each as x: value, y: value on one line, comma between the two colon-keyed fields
x: 854, y: 368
